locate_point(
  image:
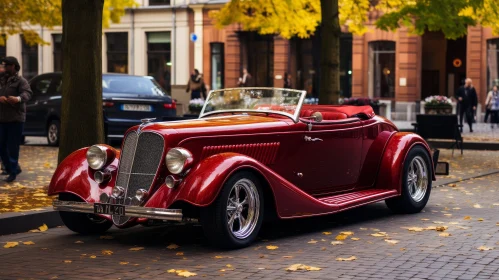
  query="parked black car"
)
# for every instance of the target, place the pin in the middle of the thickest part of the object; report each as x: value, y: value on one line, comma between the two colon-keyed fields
x: 126, y: 100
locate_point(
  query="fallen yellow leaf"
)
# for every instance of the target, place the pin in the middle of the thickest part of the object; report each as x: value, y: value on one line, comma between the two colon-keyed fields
x: 29, y: 243
x: 171, y: 271
x: 477, y: 206
x: 355, y: 238
x: 480, y: 219
x: 415, y: 229
x: 424, y: 219
x: 229, y: 265
x: 393, y: 242
x: 185, y: 273
x: 378, y: 234
x: 347, y: 233
x: 312, y: 242
x: 272, y: 247
x: 11, y: 244
x: 300, y: 266
x: 484, y: 248
x: 68, y: 261
x: 107, y: 252
x: 352, y: 258
x: 327, y: 233
x: 123, y: 263
x: 179, y: 254
x: 79, y: 242
x: 136, y: 249
x: 93, y: 257
x: 442, y: 228
x: 172, y: 246
x: 341, y: 237
x: 336, y: 243
x: 218, y: 257
x: 44, y: 227
x: 444, y: 234
x: 467, y: 218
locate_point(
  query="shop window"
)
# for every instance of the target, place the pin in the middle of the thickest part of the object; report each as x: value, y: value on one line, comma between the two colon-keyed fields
x: 57, y: 45
x: 492, y: 63
x: 117, y: 52
x: 217, y: 65
x: 159, y: 63
x: 382, y: 69
x: 159, y: 2
x: 29, y: 55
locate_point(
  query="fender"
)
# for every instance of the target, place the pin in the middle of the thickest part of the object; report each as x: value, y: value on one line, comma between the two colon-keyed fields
x: 203, y: 183
x: 392, y: 164
x: 74, y: 176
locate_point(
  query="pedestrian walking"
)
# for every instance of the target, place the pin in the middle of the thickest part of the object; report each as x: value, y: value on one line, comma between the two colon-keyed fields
x: 488, y: 104
x: 492, y: 102
x: 196, y: 85
x: 246, y: 79
x: 287, y: 80
x: 466, y: 95
x: 14, y: 92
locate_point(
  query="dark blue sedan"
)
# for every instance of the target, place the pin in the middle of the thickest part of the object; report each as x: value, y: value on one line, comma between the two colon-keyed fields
x: 126, y: 100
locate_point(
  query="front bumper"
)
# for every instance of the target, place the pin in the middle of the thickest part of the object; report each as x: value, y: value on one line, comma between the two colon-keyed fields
x: 130, y: 211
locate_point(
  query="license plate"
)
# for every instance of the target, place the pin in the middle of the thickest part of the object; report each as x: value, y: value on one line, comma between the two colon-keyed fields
x: 109, y: 209
x: 137, y: 107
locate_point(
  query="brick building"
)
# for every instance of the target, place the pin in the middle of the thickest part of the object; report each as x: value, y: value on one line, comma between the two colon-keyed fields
x: 167, y: 39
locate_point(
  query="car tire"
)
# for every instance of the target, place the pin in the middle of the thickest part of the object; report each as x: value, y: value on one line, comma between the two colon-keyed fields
x: 53, y: 132
x: 233, y: 220
x: 416, y: 183
x: 82, y: 223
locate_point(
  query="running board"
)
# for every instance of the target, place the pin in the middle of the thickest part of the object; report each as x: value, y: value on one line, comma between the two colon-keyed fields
x: 352, y: 199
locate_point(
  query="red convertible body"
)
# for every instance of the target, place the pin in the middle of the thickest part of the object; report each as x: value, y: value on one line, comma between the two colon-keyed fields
x: 232, y: 168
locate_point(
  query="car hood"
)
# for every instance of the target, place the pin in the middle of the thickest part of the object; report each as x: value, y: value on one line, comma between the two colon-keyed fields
x: 240, y: 124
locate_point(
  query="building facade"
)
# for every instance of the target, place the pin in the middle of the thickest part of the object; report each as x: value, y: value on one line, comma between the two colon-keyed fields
x: 167, y: 39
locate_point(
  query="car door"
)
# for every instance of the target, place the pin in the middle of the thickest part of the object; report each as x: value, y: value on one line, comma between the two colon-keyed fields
x: 329, y: 156
x: 36, y: 107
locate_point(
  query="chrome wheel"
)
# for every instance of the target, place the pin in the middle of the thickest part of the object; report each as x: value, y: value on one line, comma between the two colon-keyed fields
x: 417, y: 178
x: 53, y: 133
x: 243, y: 208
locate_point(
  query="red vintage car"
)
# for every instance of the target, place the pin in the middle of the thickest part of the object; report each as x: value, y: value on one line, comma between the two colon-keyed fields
x: 253, y: 154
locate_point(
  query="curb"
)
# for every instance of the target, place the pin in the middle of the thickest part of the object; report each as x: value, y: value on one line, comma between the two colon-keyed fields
x: 11, y: 223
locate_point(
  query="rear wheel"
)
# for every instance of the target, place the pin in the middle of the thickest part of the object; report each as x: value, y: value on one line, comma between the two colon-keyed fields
x: 234, y: 219
x: 82, y: 223
x: 53, y: 132
x: 416, y: 183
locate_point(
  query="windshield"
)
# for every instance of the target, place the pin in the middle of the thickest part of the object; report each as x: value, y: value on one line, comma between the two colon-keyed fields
x: 131, y: 84
x: 286, y: 102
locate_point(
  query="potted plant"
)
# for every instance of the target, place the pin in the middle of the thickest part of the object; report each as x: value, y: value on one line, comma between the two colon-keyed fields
x: 362, y: 101
x: 438, y: 104
x: 195, y: 105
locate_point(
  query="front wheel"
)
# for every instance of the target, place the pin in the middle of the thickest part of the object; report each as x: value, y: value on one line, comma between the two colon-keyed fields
x: 416, y: 183
x: 53, y: 132
x: 81, y: 222
x: 234, y: 219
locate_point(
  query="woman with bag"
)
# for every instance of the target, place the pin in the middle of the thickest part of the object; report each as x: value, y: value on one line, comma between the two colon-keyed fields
x: 492, y: 104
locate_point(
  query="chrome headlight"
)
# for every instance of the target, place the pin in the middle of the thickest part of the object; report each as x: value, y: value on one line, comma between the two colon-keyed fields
x: 96, y: 157
x: 177, y: 160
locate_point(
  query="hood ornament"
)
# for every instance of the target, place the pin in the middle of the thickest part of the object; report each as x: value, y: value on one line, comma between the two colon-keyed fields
x: 144, y: 123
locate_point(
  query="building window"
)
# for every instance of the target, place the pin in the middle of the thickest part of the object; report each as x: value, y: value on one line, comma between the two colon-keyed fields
x: 492, y: 63
x: 382, y: 69
x: 29, y: 59
x: 217, y: 65
x: 159, y: 2
x: 57, y: 43
x: 159, y: 58
x: 117, y: 52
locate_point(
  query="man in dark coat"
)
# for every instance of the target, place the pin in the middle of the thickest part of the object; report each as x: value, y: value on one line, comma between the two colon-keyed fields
x: 14, y: 92
x: 467, y: 97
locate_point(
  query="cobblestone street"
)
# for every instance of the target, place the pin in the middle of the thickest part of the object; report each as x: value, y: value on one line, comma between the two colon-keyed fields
x: 467, y: 212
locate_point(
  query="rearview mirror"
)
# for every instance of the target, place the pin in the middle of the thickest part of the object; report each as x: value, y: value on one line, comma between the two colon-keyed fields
x: 442, y: 168
x: 317, y: 116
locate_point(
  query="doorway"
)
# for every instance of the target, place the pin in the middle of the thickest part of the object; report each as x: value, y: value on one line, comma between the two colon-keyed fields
x: 257, y: 56
x: 444, y: 65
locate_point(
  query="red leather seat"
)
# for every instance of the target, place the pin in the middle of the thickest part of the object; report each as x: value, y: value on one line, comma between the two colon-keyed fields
x: 327, y: 116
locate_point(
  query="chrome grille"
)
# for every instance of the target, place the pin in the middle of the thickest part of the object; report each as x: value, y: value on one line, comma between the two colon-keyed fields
x: 140, y: 159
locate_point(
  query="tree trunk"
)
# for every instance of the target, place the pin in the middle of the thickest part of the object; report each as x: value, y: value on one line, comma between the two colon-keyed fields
x: 330, y: 53
x: 81, y: 116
